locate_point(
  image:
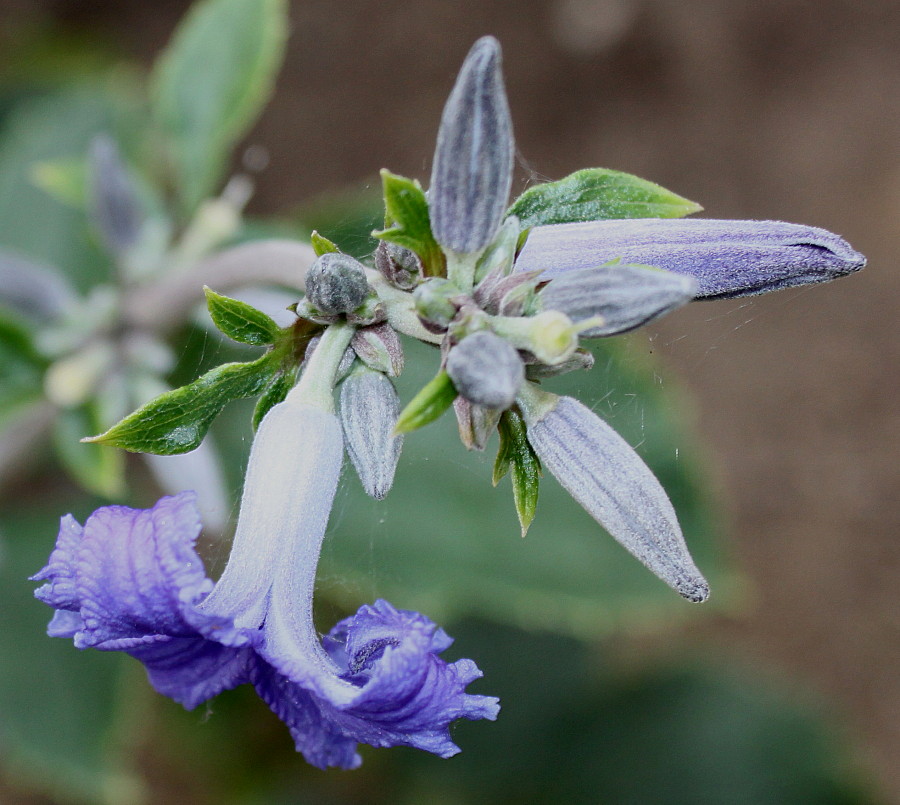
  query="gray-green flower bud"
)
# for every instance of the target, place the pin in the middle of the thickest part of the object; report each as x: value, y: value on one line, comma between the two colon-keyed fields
x: 472, y: 171
x: 625, y: 296
x: 336, y: 283
x: 434, y: 303
x: 369, y: 411
x: 486, y: 370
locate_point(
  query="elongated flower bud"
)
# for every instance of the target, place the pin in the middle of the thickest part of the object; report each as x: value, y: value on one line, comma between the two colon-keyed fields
x: 114, y: 205
x: 625, y: 296
x: 336, y: 283
x: 604, y: 474
x: 472, y: 171
x: 369, y: 411
x: 727, y: 258
x: 486, y: 370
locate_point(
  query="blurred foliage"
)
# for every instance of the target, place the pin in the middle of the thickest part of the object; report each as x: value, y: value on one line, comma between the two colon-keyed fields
x: 575, y: 726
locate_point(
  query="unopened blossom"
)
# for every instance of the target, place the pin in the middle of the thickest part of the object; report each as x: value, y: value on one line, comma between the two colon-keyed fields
x: 726, y: 258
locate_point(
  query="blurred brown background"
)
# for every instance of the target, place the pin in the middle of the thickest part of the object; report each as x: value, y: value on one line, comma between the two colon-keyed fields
x: 768, y: 109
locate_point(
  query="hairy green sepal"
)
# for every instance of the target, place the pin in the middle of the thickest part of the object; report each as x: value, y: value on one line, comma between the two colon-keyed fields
x: 515, y: 454
x: 240, y: 321
x: 177, y: 421
x: 408, y: 224
x: 435, y: 397
x: 321, y: 245
x: 597, y: 194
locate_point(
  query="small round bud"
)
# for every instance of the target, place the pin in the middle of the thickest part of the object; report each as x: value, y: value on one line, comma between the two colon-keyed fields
x: 434, y: 303
x: 336, y: 283
x: 486, y: 370
x: 400, y: 267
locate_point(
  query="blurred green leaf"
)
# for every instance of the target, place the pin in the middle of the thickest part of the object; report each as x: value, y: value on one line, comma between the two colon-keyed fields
x: 21, y: 368
x: 574, y: 729
x: 596, y: 194
x: 98, y: 468
x: 57, y: 704
x: 49, y: 129
x: 240, y: 321
x: 461, y: 554
x: 177, y: 421
x: 63, y: 179
x: 407, y: 222
x: 213, y: 81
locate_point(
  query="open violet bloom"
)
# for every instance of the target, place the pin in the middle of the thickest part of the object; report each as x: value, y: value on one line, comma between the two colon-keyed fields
x: 130, y: 580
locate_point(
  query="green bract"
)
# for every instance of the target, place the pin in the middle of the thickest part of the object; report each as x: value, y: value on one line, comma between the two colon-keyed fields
x: 407, y: 223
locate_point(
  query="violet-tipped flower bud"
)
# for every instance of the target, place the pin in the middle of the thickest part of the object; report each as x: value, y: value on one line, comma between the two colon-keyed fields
x: 486, y: 370
x: 336, y: 283
x: 472, y: 171
x: 624, y: 296
x: 369, y: 411
x: 727, y: 258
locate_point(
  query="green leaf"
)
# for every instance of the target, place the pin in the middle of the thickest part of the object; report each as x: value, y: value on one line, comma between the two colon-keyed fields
x: 435, y: 397
x: 21, y: 367
x: 59, y: 704
x: 597, y: 194
x: 515, y: 452
x: 98, y: 468
x: 53, y: 128
x: 275, y: 393
x: 63, y: 179
x: 408, y: 224
x: 177, y: 421
x: 211, y: 83
x: 321, y: 245
x: 240, y: 321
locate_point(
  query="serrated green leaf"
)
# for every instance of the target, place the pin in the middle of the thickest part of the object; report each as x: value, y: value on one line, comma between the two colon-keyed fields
x: 597, y: 194
x: 515, y: 453
x: 211, y: 83
x: 240, y: 321
x: 435, y: 397
x: 275, y: 393
x: 177, y: 421
x: 96, y: 467
x: 63, y: 179
x: 407, y: 222
x: 321, y: 245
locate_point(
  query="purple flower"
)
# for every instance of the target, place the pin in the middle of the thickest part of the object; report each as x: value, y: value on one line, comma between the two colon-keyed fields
x: 130, y: 580
x: 727, y: 258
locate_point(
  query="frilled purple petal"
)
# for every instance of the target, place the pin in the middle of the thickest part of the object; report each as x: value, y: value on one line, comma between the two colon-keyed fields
x: 60, y: 592
x: 191, y: 670
x: 727, y: 258
x: 130, y: 581
x: 386, y: 686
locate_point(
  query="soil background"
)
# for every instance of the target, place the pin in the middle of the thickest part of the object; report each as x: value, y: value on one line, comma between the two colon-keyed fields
x: 780, y: 109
